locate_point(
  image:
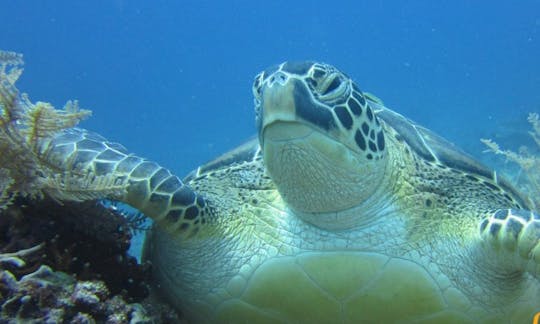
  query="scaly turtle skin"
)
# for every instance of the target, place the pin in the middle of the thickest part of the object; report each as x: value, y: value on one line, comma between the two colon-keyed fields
x: 342, y: 211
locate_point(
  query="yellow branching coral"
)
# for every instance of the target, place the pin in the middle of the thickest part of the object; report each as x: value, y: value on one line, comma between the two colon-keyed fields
x: 26, y: 130
x: 528, y: 178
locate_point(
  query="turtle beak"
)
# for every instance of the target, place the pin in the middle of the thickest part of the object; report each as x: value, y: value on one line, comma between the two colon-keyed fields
x: 278, y: 108
x: 278, y: 100
x: 287, y: 100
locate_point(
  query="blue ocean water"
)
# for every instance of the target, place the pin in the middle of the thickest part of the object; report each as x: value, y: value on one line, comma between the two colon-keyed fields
x: 171, y: 80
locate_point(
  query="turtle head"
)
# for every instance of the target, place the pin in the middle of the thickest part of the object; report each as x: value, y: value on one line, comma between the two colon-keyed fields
x: 322, y: 144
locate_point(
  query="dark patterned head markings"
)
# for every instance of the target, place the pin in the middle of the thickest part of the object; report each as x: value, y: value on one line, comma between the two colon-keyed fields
x: 327, y: 100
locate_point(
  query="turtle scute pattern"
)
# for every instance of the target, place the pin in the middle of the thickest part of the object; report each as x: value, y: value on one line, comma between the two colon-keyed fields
x: 152, y: 189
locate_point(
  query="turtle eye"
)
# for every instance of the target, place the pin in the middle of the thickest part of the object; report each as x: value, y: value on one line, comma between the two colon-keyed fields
x: 333, y: 87
x: 336, y: 82
x: 318, y: 73
x: 326, y: 81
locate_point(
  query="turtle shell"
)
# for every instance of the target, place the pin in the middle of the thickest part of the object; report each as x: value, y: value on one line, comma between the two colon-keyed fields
x: 433, y: 148
x: 248, y: 151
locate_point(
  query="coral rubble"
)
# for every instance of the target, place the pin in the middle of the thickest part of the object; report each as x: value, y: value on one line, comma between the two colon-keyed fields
x: 55, y: 297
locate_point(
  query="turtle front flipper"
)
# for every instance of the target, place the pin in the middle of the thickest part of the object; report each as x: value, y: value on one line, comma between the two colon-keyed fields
x: 515, y: 236
x: 152, y: 189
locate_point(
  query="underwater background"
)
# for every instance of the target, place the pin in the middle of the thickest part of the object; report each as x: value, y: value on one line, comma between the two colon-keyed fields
x: 171, y: 80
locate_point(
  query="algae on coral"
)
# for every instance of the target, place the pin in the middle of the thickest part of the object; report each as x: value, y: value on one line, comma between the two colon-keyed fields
x: 528, y: 178
x: 26, y: 130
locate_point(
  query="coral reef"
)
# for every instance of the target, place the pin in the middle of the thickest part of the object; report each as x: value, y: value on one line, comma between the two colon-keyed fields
x: 63, y: 254
x: 94, y: 279
x: 85, y: 239
x: 528, y: 176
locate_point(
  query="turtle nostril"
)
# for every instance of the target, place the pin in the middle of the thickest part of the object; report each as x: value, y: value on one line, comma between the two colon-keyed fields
x: 278, y: 77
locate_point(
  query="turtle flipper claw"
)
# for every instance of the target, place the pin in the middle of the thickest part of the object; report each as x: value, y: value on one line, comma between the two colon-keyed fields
x: 516, y: 232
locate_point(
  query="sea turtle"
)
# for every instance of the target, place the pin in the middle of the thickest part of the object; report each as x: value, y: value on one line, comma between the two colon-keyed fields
x: 340, y: 211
